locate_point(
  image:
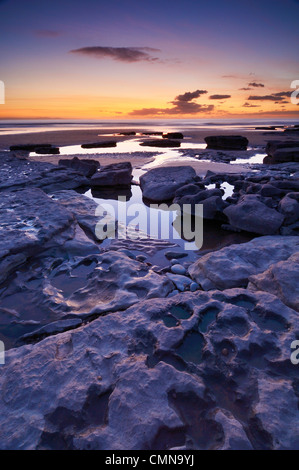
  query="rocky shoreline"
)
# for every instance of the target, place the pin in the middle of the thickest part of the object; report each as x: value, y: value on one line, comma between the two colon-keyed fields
x: 105, y: 350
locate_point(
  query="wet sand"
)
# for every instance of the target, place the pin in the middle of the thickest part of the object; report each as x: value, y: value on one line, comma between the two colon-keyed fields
x: 257, y: 138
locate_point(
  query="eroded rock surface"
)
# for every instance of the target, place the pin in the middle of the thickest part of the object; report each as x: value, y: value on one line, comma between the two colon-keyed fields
x: 233, y: 265
x: 197, y: 371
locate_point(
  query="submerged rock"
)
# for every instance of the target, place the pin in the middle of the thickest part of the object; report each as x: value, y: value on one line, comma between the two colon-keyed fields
x: 110, y: 143
x: 160, y: 143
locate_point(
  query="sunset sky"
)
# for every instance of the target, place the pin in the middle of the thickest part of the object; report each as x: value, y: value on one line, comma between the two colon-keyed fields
x: 148, y: 59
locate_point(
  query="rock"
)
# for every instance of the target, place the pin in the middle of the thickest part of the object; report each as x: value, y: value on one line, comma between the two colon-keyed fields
x: 9, y: 263
x: 189, y: 190
x: 160, y: 184
x: 233, y: 265
x: 289, y: 207
x: 274, y: 145
x: 29, y: 147
x: 152, y: 133
x: 83, y: 209
x: 174, y: 261
x: 47, y: 150
x: 213, y: 208
x: 178, y: 269
x: 286, y: 155
x: 116, y: 174
x: 252, y: 215
x: 95, y: 145
x: 26, y: 228
x: 154, y: 377
x: 51, y: 329
x: 84, y: 166
x: 281, y: 279
x: 175, y: 254
x: 226, y: 142
x: 267, y: 190
x: 194, y: 286
x: 173, y: 135
x: 127, y: 133
x: 235, y: 436
x: 160, y: 143
x: 19, y: 174
x: 180, y: 281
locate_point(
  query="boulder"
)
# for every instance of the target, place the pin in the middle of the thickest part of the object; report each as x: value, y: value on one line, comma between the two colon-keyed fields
x: 47, y: 150
x: 274, y: 145
x: 85, y: 167
x: 173, y: 135
x: 252, y: 215
x: 161, y: 143
x: 29, y: 147
x: 161, y: 184
x: 289, y: 208
x: 281, y: 279
x: 233, y: 265
x: 116, y: 174
x: 286, y: 155
x: 95, y: 145
x: 226, y: 142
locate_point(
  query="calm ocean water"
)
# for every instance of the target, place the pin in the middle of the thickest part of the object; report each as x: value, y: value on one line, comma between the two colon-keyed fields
x: 25, y: 126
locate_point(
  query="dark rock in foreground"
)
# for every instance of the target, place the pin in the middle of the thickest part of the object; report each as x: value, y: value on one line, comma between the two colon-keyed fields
x: 252, y: 215
x: 161, y: 143
x: 160, y: 184
x: 232, y: 266
x: 99, y: 145
x: 226, y: 142
x: 116, y: 174
x: 274, y: 145
x: 84, y: 166
x: 197, y: 371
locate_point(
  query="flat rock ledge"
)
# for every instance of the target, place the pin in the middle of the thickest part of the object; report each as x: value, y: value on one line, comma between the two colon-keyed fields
x: 205, y: 370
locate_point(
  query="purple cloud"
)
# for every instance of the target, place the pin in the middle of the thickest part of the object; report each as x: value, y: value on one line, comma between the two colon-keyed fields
x: 219, y: 97
x: 190, y: 95
x: 47, y: 33
x: 123, y: 54
x: 256, y: 85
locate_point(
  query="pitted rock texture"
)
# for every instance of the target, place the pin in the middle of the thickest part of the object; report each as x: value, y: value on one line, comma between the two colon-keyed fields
x: 205, y: 370
x: 233, y: 265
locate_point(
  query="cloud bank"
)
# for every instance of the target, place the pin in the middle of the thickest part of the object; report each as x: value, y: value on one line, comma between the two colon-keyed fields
x: 122, y: 54
x: 273, y: 97
x: 256, y: 85
x: 182, y: 104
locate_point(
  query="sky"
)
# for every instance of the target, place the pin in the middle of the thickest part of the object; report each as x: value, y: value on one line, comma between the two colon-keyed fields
x: 141, y: 59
